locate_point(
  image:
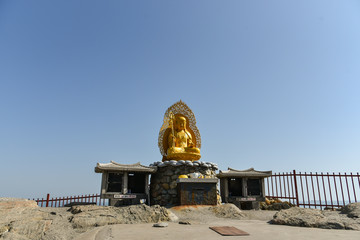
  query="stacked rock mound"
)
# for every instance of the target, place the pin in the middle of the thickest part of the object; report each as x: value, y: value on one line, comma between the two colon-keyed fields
x: 163, y: 185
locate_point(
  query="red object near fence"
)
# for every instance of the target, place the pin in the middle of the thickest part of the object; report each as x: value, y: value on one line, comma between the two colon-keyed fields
x: 316, y: 190
x: 63, y: 201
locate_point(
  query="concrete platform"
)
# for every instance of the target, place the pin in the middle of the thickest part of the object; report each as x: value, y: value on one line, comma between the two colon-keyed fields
x: 259, y: 230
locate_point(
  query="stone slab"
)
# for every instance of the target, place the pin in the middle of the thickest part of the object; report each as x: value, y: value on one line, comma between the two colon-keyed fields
x: 229, y: 231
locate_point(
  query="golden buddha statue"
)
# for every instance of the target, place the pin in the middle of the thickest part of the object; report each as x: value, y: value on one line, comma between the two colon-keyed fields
x: 181, y: 146
x: 179, y: 138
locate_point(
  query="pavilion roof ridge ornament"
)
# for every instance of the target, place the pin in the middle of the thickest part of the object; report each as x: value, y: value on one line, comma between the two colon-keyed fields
x: 178, y: 108
x: 245, y: 170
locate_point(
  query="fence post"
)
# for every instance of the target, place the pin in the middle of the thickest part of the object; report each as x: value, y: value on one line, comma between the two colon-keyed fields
x: 47, y: 199
x: 296, y: 189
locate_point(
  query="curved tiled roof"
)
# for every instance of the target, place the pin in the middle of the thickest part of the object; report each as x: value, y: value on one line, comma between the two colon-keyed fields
x: 114, y: 166
x: 251, y: 172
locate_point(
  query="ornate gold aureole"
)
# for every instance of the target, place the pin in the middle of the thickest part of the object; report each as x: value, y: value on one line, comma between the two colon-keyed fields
x: 176, y: 142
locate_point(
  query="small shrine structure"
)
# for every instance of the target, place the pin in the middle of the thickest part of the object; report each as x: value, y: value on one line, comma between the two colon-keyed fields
x: 124, y: 184
x: 244, y: 188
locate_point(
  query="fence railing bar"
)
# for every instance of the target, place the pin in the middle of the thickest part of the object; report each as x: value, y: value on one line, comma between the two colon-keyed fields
x: 336, y: 192
x: 284, y: 183
x: 342, y: 190
x: 331, y: 200
x: 358, y: 176
x: 288, y: 185
x: 276, y: 186
x: 47, y: 199
x: 302, y: 189
x: 272, y: 185
x: 312, y: 184
x: 347, y: 186
x: 280, y: 185
x: 295, y: 186
x: 323, y: 182
x: 352, y: 180
x: 307, y: 188
x: 324, y: 205
x: 292, y: 187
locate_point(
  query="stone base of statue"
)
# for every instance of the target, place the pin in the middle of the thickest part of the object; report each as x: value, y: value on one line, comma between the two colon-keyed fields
x: 163, y: 187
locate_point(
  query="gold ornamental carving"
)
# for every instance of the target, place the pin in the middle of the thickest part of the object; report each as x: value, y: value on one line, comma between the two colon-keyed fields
x: 179, y: 138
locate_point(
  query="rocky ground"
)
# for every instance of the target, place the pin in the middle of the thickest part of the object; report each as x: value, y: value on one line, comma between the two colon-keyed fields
x: 347, y: 218
x: 22, y: 219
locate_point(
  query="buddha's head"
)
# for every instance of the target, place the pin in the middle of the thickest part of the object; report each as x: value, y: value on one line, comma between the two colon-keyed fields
x: 180, y: 123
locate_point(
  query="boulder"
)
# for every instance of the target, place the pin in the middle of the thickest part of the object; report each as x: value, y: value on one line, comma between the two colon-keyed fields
x: 296, y: 216
x: 352, y: 210
x: 227, y: 210
x: 306, y: 217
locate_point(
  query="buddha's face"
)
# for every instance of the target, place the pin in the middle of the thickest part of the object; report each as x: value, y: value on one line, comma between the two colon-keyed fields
x: 181, y: 123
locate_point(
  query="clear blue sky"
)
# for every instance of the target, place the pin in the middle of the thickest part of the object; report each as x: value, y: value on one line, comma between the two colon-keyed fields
x: 274, y: 85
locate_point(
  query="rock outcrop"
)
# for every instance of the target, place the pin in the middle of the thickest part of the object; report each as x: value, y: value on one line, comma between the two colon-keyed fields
x: 86, y: 217
x: 306, y: 217
x: 352, y: 210
x: 22, y: 219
